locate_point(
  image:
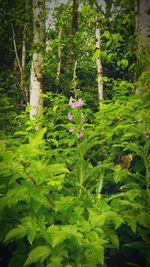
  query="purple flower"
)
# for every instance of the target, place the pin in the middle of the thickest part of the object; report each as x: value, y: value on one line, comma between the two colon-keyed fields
x: 70, y: 100
x: 82, y: 118
x: 70, y: 116
x: 79, y: 135
x: 82, y: 129
x: 79, y: 103
x: 71, y: 130
x: 73, y: 105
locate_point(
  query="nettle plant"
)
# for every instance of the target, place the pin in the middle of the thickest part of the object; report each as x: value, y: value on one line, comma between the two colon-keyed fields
x: 123, y: 153
x: 52, y: 209
x: 71, y: 191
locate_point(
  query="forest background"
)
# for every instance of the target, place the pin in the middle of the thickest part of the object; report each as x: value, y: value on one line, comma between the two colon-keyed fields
x: 75, y: 133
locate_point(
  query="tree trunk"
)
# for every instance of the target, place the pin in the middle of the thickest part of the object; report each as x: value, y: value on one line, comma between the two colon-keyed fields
x: 59, y: 55
x: 20, y: 63
x: 75, y: 16
x: 142, y: 21
x: 99, y: 63
x: 74, y: 28
x: 36, y: 79
x: 74, y: 50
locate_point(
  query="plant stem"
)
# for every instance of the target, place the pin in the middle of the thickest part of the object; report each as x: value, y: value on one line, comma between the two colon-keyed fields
x: 81, y: 180
x: 35, y: 184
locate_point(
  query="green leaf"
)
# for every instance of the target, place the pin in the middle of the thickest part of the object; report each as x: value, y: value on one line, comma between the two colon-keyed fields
x: 124, y: 62
x: 2, y: 145
x: 106, y: 34
x: 16, y: 233
x: 55, y: 142
x: 39, y: 253
x: 56, y: 169
x: 105, y: 79
x: 134, y: 148
x: 31, y: 236
x: 114, y: 240
x: 132, y: 223
x: 64, y: 203
x: 37, y: 138
x: 97, y: 220
x: 18, y: 133
x: 59, y: 233
x: 94, y: 254
x: 133, y: 193
x: 57, y: 236
x: 54, y: 264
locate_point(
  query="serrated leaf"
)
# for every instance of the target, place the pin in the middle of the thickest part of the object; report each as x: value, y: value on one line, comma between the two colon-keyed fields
x: 31, y: 236
x: 39, y: 253
x: 134, y: 148
x: 114, y: 240
x: 132, y: 224
x: 133, y: 193
x: 64, y: 203
x: 16, y: 233
x: 94, y: 254
x: 97, y: 220
x: 59, y: 233
x: 56, y: 169
x: 37, y: 137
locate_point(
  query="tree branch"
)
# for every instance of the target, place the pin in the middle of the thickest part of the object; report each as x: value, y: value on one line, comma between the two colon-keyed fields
x: 15, y: 48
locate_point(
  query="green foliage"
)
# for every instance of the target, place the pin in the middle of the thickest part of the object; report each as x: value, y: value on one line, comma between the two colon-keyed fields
x: 65, y: 200
x: 38, y: 254
x: 87, y: 189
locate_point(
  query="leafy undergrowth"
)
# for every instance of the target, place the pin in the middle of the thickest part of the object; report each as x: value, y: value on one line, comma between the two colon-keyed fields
x: 76, y: 193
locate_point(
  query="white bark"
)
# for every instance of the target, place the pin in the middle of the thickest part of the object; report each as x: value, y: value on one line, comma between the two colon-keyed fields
x: 142, y: 9
x: 36, y: 78
x: 59, y: 54
x: 99, y: 64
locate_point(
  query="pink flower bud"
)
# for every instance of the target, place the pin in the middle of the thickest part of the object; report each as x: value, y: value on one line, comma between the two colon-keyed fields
x: 79, y: 135
x: 70, y: 100
x: 79, y: 103
x: 71, y: 130
x: 82, y: 118
x: 73, y: 105
x: 70, y: 116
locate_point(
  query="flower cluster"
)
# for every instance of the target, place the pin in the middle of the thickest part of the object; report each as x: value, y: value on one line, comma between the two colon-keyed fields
x: 76, y: 104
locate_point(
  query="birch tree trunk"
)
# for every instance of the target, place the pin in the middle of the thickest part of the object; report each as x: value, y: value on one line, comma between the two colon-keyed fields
x: 142, y: 21
x: 99, y: 63
x: 59, y: 55
x: 36, y: 78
